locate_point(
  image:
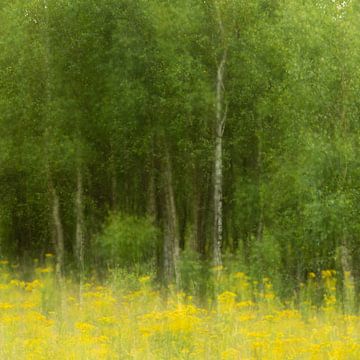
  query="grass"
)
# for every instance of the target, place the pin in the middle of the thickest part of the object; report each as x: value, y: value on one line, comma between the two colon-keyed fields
x: 131, y: 320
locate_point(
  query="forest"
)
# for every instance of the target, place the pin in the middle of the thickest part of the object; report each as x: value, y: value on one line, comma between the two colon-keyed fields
x: 181, y: 147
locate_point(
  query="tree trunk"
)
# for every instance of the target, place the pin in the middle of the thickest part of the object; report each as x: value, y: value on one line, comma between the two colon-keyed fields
x: 195, y: 239
x: 151, y: 195
x: 220, y: 119
x: 58, y: 241
x: 58, y: 233
x: 201, y: 200
x: 349, y: 301
x: 182, y: 218
x: 171, y: 228
x: 80, y: 239
x: 57, y: 228
x: 113, y: 184
x: 218, y: 172
x: 259, y: 160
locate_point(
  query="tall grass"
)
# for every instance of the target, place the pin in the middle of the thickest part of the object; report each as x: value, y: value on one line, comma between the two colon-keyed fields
x: 127, y: 317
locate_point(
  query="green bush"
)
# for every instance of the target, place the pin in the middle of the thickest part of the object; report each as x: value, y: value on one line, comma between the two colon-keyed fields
x: 127, y: 241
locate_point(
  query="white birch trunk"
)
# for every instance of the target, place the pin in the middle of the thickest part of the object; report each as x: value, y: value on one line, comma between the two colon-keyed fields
x: 218, y: 162
x: 171, y: 236
x: 220, y: 119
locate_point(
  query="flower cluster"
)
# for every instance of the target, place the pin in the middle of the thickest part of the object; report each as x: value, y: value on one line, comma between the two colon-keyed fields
x: 38, y: 321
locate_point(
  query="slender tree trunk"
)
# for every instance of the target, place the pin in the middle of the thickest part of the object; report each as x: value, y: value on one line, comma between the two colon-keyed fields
x: 113, y: 192
x: 346, y: 257
x: 201, y: 199
x: 171, y: 231
x: 349, y: 301
x: 260, y: 227
x: 58, y: 237
x: 58, y: 241
x: 113, y: 180
x: 182, y: 227
x: 218, y: 172
x: 195, y: 239
x: 58, y: 233
x: 57, y: 226
x: 80, y: 238
x: 151, y: 195
x: 220, y: 119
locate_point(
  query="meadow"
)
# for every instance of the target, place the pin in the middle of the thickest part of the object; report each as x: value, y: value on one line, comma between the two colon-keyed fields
x: 187, y: 174
x: 127, y: 317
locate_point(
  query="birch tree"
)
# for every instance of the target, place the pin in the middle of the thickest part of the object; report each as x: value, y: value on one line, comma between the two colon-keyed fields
x: 220, y: 120
x: 58, y: 232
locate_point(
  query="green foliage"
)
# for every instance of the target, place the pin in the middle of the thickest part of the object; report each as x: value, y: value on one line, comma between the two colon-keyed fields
x: 127, y: 241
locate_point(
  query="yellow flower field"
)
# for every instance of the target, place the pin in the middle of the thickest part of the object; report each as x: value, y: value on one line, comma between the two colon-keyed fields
x: 111, y: 322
